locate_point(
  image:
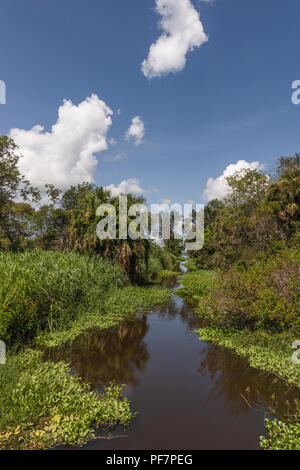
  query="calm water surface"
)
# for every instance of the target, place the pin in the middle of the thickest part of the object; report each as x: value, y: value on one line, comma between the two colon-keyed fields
x: 188, y: 394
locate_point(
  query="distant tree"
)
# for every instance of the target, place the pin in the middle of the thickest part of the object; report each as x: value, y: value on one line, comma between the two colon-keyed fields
x: 74, y: 197
x: 173, y: 245
x: 13, y: 186
x: 288, y: 167
x: 284, y: 196
x: 247, y: 188
x: 12, y: 182
x: 16, y: 229
x: 244, y: 224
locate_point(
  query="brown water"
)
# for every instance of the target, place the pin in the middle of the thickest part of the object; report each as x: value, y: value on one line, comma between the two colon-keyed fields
x: 188, y: 394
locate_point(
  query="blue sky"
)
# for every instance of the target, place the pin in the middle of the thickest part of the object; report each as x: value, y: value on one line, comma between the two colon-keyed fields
x: 231, y: 101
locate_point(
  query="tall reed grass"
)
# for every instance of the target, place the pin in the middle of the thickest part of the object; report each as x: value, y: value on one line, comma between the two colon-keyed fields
x: 45, y: 290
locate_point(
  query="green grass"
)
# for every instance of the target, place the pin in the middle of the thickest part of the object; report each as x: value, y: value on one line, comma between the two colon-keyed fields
x: 191, y: 265
x: 42, y: 405
x: 178, y: 259
x: 118, y: 306
x: 271, y: 353
x: 167, y: 273
x: 197, y: 285
x: 45, y: 290
x: 263, y: 350
x: 49, y: 298
x: 163, y: 274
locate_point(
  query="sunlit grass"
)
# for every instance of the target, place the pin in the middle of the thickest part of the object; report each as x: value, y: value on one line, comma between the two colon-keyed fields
x: 45, y: 290
x: 117, y: 306
x: 42, y: 405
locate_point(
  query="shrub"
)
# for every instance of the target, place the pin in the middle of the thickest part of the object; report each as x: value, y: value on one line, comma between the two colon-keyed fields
x: 264, y: 294
x: 154, y: 267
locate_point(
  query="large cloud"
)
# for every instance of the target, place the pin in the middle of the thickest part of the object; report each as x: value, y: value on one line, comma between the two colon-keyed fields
x: 218, y: 188
x: 136, y: 130
x: 131, y: 185
x: 66, y: 155
x: 182, y: 32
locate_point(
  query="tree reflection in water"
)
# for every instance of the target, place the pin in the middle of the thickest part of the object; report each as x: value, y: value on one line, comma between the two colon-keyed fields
x: 246, y: 388
x: 104, y: 356
x: 178, y: 307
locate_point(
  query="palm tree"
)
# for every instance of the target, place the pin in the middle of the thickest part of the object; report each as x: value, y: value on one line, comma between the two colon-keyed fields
x: 83, y: 236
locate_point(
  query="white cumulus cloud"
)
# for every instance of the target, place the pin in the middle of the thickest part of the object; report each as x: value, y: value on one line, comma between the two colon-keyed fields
x: 131, y: 185
x: 120, y: 157
x: 66, y: 155
x: 136, y: 130
x: 218, y: 188
x: 182, y: 31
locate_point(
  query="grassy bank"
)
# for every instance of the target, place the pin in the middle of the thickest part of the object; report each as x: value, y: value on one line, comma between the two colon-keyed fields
x: 197, y: 285
x: 265, y: 350
x: 117, y: 306
x: 271, y: 353
x: 48, y: 299
x: 43, y: 405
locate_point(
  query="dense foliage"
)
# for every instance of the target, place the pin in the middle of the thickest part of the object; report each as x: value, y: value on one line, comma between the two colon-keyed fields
x: 260, y: 216
x: 252, y: 237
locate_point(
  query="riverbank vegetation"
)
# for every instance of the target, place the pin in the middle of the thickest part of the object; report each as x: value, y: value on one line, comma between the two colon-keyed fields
x: 42, y: 405
x: 251, y: 300
x: 48, y: 299
x: 58, y: 281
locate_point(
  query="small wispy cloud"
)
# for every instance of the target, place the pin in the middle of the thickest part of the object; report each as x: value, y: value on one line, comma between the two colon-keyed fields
x: 136, y: 130
x: 131, y: 185
x: 112, y: 141
x: 114, y: 158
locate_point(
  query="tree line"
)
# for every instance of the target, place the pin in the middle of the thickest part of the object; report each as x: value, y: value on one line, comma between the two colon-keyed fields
x: 66, y: 220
